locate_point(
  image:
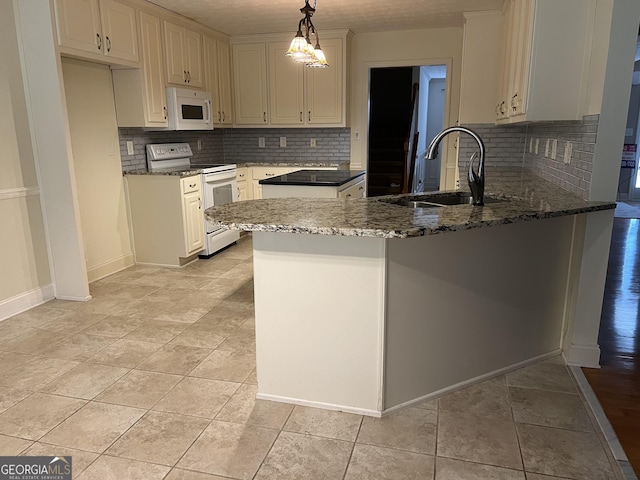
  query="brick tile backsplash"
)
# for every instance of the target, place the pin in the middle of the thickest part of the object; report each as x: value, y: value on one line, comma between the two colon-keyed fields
x: 510, y: 145
x: 241, y: 145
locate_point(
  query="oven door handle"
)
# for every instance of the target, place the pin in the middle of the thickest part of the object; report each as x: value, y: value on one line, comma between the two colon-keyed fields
x: 208, y: 104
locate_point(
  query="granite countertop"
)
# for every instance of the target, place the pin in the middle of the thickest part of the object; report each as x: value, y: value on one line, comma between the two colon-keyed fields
x: 180, y: 172
x: 320, y: 178
x: 528, y: 196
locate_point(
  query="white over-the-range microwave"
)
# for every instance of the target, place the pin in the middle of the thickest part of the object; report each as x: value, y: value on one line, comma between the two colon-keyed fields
x: 188, y: 109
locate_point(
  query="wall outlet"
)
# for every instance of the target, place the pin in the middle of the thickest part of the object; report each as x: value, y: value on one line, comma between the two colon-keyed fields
x: 546, y: 149
x: 199, y: 144
x: 554, y: 149
x: 130, y: 147
x: 357, y: 134
x: 312, y: 143
x: 260, y: 142
x: 530, y: 145
x: 537, y: 145
x: 568, y: 152
x: 283, y: 141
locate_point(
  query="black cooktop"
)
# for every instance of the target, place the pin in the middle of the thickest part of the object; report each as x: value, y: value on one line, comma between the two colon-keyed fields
x: 325, y: 178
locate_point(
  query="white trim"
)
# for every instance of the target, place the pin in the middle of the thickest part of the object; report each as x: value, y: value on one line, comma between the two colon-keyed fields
x: 603, y: 422
x: 582, y: 355
x: 472, y: 381
x: 326, y: 406
x: 25, y: 301
x: 382, y: 325
x: 20, y: 192
x: 110, y: 267
x: 74, y: 299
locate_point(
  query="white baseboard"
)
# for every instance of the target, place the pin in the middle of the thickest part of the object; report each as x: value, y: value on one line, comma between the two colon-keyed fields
x: 582, y: 355
x: 326, y: 406
x: 110, y: 267
x: 24, y: 301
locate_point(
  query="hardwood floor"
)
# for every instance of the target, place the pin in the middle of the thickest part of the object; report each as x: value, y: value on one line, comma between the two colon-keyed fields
x: 617, y: 383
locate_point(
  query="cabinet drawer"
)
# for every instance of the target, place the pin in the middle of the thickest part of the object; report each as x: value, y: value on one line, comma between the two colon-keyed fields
x: 260, y: 173
x: 354, y: 191
x: 190, y: 184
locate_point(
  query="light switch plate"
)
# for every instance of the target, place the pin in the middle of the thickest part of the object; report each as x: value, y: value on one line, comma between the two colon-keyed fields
x: 260, y: 142
x: 283, y: 141
x: 199, y: 144
x: 546, y: 149
x: 554, y: 149
x: 312, y: 143
x: 537, y: 145
x: 130, y: 147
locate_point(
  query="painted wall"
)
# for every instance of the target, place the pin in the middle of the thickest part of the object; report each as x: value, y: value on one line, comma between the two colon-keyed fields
x: 25, y: 279
x: 96, y: 159
x: 440, y: 46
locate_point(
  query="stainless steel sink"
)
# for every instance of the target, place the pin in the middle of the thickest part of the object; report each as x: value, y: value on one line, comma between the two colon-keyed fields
x: 437, y: 200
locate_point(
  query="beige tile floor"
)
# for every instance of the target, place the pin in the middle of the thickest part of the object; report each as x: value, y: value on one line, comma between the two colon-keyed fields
x: 155, y: 379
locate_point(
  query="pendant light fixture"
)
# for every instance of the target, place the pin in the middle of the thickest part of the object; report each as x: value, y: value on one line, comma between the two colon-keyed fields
x: 301, y: 49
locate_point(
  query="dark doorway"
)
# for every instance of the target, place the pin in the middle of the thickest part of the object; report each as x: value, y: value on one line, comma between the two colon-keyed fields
x: 389, y: 118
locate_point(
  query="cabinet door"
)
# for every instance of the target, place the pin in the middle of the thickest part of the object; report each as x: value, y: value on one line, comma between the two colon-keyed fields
x: 119, y: 29
x: 286, y: 83
x: 155, y: 104
x: 502, y: 106
x: 211, y: 74
x: 224, y: 82
x: 78, y: 24
x: 193, y: 223
x: 242, y: 191
x: 193, y: 58
x: 325, y: 87
x: 173, y: 43
x: 250, y: 84
x: 257, y: 190
x: 521, y: 57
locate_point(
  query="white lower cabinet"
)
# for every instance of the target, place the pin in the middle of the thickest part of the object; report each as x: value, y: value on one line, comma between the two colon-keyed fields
x: 241, y: 180
x: 166, y: 218
x: 352, y: 190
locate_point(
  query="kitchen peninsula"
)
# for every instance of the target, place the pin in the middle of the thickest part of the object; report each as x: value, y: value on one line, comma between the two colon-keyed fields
x: 368, y: 306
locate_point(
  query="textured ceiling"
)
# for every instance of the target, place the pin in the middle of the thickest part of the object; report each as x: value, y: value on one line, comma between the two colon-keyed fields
x: 235, y: 17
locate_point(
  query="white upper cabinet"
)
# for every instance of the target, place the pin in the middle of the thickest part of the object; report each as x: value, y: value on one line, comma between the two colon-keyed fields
x: 273, y: 90
x: 183, y: 55
x: 217, y: 79
x: 250, y: 84
x: 101, y: 30
x: 286, y: 87
x: 140, y: 93
x: 543, y: 75
x: 325, y: 87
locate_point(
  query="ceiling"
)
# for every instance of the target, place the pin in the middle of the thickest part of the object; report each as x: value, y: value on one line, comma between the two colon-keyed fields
x: 241, y: 17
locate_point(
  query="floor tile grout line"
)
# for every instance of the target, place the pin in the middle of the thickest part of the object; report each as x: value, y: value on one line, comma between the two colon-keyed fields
x: 353, y: 447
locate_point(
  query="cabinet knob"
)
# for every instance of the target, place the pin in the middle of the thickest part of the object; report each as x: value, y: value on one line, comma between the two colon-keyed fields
x: 99, y: 41
x: 108, y: 44
x: 309, y: 116
x: 164, y: 109
x: 184, y: 75
x: 300, y: 117
x: 264, y: 117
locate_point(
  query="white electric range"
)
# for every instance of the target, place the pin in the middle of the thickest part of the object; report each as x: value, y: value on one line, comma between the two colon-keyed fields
x: 219, y: 186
